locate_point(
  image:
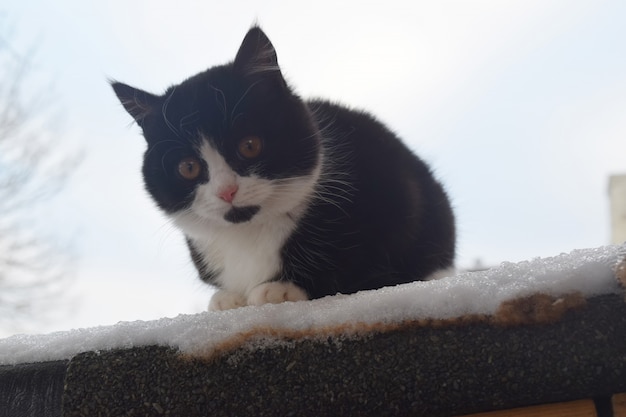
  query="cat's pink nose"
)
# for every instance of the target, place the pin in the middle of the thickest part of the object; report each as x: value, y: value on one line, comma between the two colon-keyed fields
x: 228, y: 193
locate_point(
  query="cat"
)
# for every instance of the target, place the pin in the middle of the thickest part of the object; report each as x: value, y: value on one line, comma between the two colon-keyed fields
x: 282, y: 199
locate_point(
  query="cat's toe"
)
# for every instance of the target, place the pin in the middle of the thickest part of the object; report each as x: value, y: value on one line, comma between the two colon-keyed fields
x: 276, y: 292
x: 226, y: 300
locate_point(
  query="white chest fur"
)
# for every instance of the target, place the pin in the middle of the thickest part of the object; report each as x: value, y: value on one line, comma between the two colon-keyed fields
x: 246, y: 255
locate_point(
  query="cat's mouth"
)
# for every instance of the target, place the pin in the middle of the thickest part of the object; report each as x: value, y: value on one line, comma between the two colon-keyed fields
x: 241, y: 214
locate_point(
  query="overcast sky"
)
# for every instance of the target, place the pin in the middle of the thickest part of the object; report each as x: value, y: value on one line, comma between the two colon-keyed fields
x: 519, y: 106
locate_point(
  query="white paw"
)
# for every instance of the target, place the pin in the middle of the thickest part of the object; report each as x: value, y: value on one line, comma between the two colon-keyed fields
x: 276, y: 292
x: 226, y: 300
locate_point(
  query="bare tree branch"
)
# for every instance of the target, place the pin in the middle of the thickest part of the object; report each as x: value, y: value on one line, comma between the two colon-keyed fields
x: 34, y: 271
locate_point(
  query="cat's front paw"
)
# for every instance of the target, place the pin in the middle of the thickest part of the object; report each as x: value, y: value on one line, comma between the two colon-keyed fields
x: 276, y: 292
x: 226, y: 300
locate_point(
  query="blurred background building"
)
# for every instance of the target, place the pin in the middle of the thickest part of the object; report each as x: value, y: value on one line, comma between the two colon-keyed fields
x: 617, y: 197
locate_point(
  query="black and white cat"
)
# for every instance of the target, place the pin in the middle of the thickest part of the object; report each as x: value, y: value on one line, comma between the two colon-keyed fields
x: 282, y: 199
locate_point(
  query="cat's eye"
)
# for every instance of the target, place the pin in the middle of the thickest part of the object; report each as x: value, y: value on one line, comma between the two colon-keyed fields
x: 250, y: 147
x: 189, y: 168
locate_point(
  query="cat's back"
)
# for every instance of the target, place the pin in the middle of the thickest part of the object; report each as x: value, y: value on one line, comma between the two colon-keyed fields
x: 376, y: 160
x: 386, y: 219
x: 352, y: 131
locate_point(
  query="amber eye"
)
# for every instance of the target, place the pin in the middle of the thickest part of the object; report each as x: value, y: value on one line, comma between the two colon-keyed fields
x: 189, y: 168
x: 250, y: 147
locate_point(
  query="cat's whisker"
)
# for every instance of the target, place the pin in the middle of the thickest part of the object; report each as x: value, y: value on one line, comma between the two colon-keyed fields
x: 222, y: 104
x: 166, y: 104
x: 238, y: 115
x: 188, y: 120
x: 154, y: 147
x: 232, y: 112
x: 164, y: 165
x: 333, y: 203
x: 166, y: 230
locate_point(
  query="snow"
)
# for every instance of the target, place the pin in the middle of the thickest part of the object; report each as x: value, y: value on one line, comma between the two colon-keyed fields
x: 587, y: 271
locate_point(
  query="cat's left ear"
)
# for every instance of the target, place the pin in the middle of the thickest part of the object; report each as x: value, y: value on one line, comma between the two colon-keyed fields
x: 256, y: 55
x: 137, y: 103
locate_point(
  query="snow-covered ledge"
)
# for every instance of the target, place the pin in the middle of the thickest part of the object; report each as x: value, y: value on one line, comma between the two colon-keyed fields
x: 539, y: 331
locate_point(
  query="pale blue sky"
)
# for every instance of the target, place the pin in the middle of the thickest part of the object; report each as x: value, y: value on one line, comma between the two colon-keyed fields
x: 520, y: 106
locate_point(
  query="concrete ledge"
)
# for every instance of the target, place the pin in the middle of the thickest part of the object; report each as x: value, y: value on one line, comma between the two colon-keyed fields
x: 32, y: 389
x: 415, y: 369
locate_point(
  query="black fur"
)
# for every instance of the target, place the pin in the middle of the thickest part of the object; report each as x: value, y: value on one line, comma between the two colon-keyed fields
x: 394, y: 224
x: 379, y: 217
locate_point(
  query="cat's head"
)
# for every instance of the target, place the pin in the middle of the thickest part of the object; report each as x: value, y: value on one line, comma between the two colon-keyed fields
x: 230, y: 144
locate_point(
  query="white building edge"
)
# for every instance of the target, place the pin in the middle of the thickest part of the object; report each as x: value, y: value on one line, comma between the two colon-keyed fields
x: 617, y: 197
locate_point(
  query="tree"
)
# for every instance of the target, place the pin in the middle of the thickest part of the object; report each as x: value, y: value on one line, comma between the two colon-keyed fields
x: 33, y: 270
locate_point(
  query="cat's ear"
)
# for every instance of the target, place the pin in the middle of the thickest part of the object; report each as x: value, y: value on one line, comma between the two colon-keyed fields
x: 256, y: 55
x: 137, y: 103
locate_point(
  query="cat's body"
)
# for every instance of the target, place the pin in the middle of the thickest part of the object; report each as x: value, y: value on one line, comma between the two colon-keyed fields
x: 282, y: 199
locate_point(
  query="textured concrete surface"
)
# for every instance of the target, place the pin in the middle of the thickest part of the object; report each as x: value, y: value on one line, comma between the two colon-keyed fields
x: 32, y: 389
x: 413, y: 370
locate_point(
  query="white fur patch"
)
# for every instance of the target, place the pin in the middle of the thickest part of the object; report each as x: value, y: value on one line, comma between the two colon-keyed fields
x: 226, y: 300
x: 276, y: 292
x: 246, y: 254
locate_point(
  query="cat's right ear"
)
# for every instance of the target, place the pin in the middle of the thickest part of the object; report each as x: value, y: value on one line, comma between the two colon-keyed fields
x: 256, y: 54
x: 138, y: 103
